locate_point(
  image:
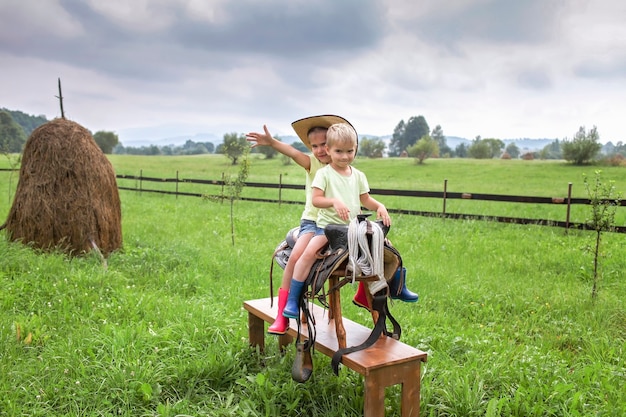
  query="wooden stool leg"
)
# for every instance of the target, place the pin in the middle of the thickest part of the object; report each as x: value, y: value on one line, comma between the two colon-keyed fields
x: 256, y: 331
x: 283, y: 341
x: 410, y: 406
x: 335, y: 310
x: 374, y: 397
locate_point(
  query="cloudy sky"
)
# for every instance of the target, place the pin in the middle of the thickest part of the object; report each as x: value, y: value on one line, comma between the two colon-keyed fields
x: 149, y: 69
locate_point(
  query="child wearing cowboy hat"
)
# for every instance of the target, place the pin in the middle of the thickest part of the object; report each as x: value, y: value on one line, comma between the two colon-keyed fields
x: 312, y: 132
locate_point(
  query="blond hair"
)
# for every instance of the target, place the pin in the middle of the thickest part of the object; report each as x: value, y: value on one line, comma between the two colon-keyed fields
x: 341, y: 134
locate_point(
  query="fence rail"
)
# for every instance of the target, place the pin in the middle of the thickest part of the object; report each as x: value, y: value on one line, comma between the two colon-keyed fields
x: 443, y: 195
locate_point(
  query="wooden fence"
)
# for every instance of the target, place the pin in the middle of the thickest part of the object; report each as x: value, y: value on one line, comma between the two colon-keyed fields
x: 444, y: 196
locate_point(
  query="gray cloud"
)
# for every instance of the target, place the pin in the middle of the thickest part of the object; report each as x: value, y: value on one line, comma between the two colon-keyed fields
x: 493, y: 21
x: 233, y: 65
x: 535, y: 79
x: 251, y: 29
x: 612, y: 68
x: 311, y: 29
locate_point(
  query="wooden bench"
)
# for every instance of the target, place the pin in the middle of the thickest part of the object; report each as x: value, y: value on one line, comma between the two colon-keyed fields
x: 388, y: 362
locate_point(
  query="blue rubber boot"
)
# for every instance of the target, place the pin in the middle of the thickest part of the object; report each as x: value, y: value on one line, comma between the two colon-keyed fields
x: 398, y: 289
x: 292, y: 309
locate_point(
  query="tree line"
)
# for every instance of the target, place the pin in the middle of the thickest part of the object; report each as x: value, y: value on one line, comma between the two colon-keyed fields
x: 412, y: 138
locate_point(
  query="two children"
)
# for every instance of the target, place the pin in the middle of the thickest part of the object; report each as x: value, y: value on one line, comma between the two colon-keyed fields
x: 313, y: 131
x: 338, y: 190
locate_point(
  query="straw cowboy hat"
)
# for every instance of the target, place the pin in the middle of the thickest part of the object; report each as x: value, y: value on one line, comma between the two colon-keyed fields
x: 303, y: 126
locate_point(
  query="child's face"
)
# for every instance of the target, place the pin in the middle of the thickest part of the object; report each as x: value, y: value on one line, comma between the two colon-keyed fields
x: 318, y: 146
x: 342, y: 154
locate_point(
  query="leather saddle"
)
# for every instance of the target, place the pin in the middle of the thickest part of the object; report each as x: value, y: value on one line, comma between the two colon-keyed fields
x: 333, y: 259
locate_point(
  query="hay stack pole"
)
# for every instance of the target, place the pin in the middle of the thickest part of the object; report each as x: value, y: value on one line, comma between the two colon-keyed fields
x: 67, y: 197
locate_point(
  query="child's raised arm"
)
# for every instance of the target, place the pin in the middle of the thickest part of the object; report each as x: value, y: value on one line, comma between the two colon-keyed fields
x: 266, y: 139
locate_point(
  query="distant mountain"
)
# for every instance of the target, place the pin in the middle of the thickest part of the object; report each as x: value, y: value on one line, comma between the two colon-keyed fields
x: 453, y: 141
x: 530, y: 144
x: 138, y: 142
x: 165, y: 135
x: 171, y: 136
x: 523, y: 143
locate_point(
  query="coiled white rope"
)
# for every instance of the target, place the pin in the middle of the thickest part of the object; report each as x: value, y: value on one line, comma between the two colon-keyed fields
x: 366, y: 259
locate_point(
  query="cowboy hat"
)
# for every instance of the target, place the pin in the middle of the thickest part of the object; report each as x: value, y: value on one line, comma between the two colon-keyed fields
x: 303, y: 126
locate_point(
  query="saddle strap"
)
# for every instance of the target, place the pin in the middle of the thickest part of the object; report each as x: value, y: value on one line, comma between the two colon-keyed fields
x: 304, y: 307
x: 272, y: 283
x: 379, y: 303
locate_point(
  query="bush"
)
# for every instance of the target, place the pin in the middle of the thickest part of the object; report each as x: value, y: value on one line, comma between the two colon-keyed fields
x: 616, y: 160
x: 583, y: 148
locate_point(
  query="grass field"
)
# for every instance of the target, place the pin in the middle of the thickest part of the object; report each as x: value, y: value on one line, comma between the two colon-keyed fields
x: 505, y: 177
x: 505, y: 311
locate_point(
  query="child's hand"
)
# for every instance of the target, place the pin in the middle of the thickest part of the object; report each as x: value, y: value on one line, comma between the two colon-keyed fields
x: 342, y: 210
x: 260, y: 139
x: 382, y: 214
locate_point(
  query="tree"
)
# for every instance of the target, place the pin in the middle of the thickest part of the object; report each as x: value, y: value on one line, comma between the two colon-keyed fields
x: 485, y: 148
x: 106, y: 141
x: 372, y: 148
x: 268, y: 151
x: 583, y: 148
x: 406, y: 134
x: 12, y: 136
x: 496, y: 146
x: 512, y: 150
x: 191, y: 148
x: 438, y: 136
x: 479, y: 149
x: 395, y: 145
x: 235, y: 185
x: 604, y: 200
x: 209, y: 147
x: 551, y: 151
x: 234, y: 146
x: 301, y: 147
x: 27, y: 122
x: 461, y: 150
x: 423, y: 148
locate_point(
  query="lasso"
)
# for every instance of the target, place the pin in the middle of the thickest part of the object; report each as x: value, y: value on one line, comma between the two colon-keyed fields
x: 366, y: 259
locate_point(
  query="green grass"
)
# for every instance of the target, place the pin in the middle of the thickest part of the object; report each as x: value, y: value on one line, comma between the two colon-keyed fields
x: 505, y: 177
x: 505, y: 311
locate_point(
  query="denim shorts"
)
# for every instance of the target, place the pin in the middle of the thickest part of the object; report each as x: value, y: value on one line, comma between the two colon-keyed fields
x: 309, y: 226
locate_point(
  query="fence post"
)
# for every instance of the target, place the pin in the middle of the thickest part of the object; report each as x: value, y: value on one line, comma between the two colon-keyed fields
x: 140, y: 181
x: 280, y: 189
x: 569, y: 204
x: 445, y: 195
x: 177, y: 184
x: 222, y: 197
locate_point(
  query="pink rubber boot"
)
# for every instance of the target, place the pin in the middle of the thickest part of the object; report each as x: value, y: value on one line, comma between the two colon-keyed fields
x: 281, y: 323
x: 360, y: 298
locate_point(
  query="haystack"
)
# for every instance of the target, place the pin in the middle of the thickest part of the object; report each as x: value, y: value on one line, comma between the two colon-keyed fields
x: 67, y: 197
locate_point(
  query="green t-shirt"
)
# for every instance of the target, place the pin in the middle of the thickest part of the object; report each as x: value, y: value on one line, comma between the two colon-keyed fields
x: 310, y: 211
x: 348, y: 189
